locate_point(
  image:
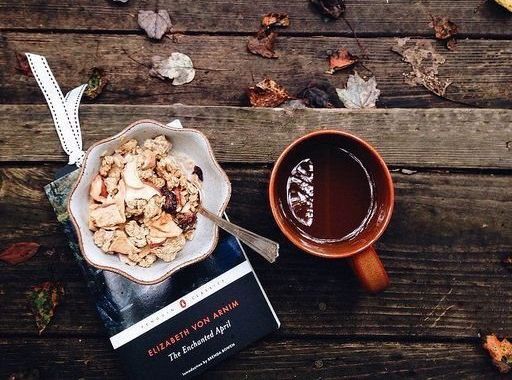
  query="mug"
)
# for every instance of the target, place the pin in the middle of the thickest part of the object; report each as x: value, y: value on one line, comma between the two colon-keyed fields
x: 356, y: 246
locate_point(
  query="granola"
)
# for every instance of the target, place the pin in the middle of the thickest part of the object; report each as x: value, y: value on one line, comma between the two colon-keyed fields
x: 144, y: 202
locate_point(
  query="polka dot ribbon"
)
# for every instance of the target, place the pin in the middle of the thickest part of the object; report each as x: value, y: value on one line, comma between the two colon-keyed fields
x: 64, y: 109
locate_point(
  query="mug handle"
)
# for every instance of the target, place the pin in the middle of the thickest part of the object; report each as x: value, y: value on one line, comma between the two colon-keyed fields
x: 369, y: 270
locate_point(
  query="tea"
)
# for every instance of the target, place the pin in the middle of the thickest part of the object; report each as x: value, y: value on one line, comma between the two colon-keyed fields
x: 326, y: 192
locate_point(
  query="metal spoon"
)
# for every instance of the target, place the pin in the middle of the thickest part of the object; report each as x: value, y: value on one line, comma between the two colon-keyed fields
x: 265, y: 247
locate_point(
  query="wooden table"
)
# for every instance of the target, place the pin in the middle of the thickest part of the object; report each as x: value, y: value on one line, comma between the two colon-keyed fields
x: 451, y: 166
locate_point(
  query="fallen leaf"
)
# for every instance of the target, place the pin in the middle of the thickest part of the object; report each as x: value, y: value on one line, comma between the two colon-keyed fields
x: 445, y: 30
x: 19, y: 252
x: 267, y: 93
x: 28, y: 374
x: 155, y: 24
x: 23, y: 65
x: 320, y: 94
x: 424, y: 62
x: 275, y: 19
x: 96, y: 83
x: 263, y: 43
x: 330, y: 8
x: 44, y: 298
x: 500, y: 352
x: 359, y: 93
x: 177, y: 66
x: 505, y: 3
x: 340, y: 59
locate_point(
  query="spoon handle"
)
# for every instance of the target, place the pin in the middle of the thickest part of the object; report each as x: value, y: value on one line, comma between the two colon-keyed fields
x: 265, y: 247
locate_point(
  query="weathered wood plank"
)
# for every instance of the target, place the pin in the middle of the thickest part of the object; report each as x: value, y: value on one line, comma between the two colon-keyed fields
x: 480, y: 69
x: 443, y: 251
x: 446, y: 138
x: 93, y: 358
x: 397, y: 17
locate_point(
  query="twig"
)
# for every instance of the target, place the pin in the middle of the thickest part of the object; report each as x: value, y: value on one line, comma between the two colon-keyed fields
x: 364, y: 52
x: 134, y: 60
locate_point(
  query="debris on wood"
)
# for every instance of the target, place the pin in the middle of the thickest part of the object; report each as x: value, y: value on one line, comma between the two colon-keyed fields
x: 23, y: 66
x: 330, y: 8
x: 445, y: 30
x: 275, y: 20
x: 340, y: 59
x: 44, y: 298
x: 263, y: 43
x: 424, y: 62
x: 155, y: 24
x: 27, y: 374
x: 500, y: 352
x: 178, y: 67
x: 19, y: 252
x: 359, y: 93
x: 507, y: 263
x: 96, y: 83
x: 267, y: 93
x: 320, y: 94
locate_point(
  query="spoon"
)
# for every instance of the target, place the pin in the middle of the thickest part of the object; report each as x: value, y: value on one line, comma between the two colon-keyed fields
x: 265, y: 247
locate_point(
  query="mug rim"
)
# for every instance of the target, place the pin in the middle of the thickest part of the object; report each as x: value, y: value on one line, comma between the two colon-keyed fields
x: 280, y: 219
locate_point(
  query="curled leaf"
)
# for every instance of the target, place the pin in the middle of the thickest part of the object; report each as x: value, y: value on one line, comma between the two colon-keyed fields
x: 177, y: 66
x: 19, y: 252
x: 445, y: 30
x: 96, y: 83
x: 44, y: 298
x: 359, y: 93
x: 275, y: 19
x: 267, y: 93
x: 23, y: 66
x: 320, y: 94
x: 330, y: 8
x: 155, y: 24
x: 424, y: 62
x: 340, y: 59
x: 263, y: 43
x: 500, y: 352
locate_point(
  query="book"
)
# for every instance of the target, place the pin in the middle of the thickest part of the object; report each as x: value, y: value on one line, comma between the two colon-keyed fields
x: 185, y: 324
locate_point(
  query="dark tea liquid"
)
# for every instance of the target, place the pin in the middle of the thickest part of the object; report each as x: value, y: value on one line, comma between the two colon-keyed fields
x: 325, y: 191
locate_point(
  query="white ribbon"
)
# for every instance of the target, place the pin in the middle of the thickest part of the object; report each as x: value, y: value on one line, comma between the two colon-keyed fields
x: 64, y: 110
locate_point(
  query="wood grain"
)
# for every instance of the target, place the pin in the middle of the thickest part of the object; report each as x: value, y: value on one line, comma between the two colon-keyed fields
x: 443, y: 251
x: 93, y: 358
x: 368, y: 17
x: 437, y: 138
x: 480, y: 69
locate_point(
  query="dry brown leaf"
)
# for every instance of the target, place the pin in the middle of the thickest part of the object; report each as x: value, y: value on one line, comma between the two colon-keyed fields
x: 330, y: 8
x: 23, y: 65
x: 178, y: 67
x: 445, y: 30
x: 96, y: 83
x: 44, y: 298
x: 19, y: 252
x: 267, y: 93
x: 359, y: 93
x: 339, y: 60
x: 155, y: 24
x: 275, y: 19
x: 500, y: 352
x: 263, y: 44
x: 424, y: 62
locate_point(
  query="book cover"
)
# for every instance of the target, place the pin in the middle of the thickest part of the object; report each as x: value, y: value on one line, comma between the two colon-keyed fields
x: 189, y: 322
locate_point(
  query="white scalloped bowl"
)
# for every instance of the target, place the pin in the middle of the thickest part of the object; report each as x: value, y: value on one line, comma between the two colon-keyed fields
x: 214, y: 197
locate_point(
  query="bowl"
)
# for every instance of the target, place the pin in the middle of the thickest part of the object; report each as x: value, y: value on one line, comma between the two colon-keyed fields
x: 215, y: 195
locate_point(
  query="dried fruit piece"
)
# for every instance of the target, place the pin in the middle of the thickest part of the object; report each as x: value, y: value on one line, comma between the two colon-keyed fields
x: 275, y: 19
x: 330, y: 8
x: 445, y: 30
x: 359, y: 93
x: 263, y: 43
x: 96, y: 83
x: 186, y: 220
x: 19, y: 252
x: 44, y: 298
x: 340, y: 59
x: 267, y: 93
x: 199, y: 172
x: 500, y: 352
x: 320, y: 94
x: 23, y: 65
x: 171, y: 202
x: 155, y: 24
x: 177, y: 66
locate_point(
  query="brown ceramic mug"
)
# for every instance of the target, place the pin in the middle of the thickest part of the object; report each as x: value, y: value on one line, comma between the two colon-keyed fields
x: 332, y: 195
